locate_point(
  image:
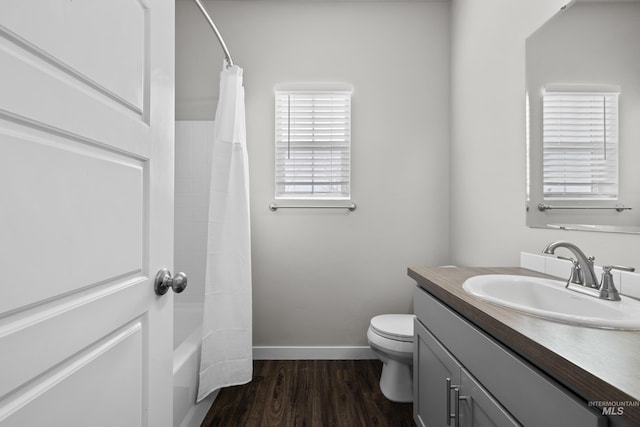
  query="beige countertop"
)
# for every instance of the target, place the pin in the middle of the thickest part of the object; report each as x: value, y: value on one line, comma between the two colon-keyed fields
x: 596, y: 364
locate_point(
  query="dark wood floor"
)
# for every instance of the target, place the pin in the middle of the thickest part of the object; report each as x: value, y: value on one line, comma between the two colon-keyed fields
x: 323, y: 393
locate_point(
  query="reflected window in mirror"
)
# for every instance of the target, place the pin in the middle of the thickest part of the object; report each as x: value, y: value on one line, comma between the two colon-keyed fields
x: 580, y: 145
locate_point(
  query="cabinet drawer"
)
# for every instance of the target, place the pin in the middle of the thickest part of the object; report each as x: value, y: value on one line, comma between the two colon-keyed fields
x: 530, y: 395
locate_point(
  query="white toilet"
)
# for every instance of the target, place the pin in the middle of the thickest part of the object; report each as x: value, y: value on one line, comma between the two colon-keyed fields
x: 391, y: 338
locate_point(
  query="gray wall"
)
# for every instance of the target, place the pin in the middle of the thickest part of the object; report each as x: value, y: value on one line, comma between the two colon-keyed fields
x: 487, y: 140
x: 319, y: 276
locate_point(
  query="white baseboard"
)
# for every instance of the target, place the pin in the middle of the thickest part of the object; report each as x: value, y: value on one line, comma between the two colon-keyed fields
x: 198, y: 411
x: 313, y: 353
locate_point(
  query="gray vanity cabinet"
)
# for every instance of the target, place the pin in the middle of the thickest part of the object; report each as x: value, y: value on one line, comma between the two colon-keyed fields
x: 496, y: 387
x: 438, y: 374
x: 432, y: 365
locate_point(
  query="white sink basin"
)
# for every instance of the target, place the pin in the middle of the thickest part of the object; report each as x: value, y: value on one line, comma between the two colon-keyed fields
x: 550, y: 299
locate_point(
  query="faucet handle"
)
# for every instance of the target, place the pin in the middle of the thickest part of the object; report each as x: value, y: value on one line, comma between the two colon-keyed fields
x: 608, y: 290
x: 577, y: 275
x: 618, y: 267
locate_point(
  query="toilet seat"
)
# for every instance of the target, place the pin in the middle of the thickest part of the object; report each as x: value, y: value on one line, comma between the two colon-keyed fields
x: 396, y: 327
x: 401, y: 349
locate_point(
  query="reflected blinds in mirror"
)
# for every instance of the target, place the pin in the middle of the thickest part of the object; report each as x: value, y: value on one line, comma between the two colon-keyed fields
x: 580, y: 145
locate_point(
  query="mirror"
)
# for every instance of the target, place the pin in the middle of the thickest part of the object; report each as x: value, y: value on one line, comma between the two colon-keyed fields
x: 583, y: 72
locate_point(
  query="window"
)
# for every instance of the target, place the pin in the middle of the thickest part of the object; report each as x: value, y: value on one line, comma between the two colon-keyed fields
x: 580, y: 145
x: 313, y: 144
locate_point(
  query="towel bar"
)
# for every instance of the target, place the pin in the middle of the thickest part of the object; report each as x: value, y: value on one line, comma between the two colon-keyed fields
x: 351, y: 207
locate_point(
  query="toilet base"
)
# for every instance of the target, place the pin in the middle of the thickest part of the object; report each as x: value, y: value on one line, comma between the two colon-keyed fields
x: 396, y: 381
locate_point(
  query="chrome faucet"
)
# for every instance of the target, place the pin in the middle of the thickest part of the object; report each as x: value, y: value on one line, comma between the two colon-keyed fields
x: 582, y: 273
x: 583, y: 266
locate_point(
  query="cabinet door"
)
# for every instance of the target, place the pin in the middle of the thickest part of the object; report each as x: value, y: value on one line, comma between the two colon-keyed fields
x: 432, y: 366
x: 478, y: 408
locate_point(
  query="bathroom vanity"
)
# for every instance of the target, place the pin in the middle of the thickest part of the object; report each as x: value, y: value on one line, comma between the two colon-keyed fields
x: 478, y: 364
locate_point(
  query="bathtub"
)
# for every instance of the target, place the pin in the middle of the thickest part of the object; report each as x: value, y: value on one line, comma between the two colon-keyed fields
x: 186, y: 360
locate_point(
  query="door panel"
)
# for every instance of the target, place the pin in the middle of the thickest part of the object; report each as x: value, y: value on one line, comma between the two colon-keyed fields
x: 86, y: 187
x: 97, y: 401
x: 51, y: 332
x: 103, y: 44
x: 51, y: 98
x: 80, y: 220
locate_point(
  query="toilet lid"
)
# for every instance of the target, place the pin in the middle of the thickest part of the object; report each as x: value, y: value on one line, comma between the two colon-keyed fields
x: 394, y: 326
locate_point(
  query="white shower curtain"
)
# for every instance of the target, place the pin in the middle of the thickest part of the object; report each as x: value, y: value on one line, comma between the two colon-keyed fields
x: 226, y: 355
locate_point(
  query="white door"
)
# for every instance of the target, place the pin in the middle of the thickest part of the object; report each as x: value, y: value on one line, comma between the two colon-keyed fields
x: 86, y: 212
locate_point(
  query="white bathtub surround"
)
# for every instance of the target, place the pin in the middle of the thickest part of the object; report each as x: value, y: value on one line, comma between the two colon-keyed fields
x: 186, y: 366
x: 627, y: 283
x: 226, y: 355
x: 193, y: 175
x: 193, y: 178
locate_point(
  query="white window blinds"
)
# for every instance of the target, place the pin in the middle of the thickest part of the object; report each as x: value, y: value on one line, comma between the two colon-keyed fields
x: 313, y: 144
x: 580, y: 140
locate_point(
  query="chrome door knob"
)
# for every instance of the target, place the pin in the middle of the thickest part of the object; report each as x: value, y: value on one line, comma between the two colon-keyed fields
x: 164, y: 281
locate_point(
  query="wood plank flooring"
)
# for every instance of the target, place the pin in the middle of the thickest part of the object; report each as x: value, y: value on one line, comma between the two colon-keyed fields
x: 322, y: 393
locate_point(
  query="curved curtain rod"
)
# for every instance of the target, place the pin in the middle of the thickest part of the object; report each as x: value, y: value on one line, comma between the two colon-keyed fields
x: 227, y: 55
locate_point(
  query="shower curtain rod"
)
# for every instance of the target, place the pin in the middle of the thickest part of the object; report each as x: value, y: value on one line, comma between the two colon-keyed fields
x: 227, y: 55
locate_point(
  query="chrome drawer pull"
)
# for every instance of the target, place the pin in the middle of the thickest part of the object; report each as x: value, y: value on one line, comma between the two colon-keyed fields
x: 456, y: 393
